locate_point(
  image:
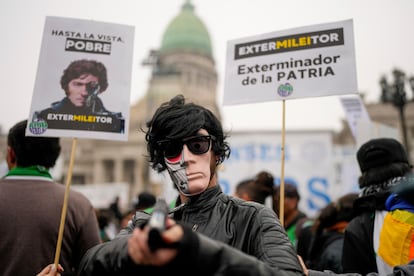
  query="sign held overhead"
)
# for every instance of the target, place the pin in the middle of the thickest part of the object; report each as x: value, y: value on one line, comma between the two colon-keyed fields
x: 83, y: 80
x: 311, y: 61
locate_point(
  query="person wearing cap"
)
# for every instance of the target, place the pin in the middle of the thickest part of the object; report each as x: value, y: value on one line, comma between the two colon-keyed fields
x: 293, y: 217
x: 208, y: 232
x: 83, y: 80
x: 383, y: 163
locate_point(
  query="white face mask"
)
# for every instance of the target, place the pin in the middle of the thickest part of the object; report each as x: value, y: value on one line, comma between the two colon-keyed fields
x: 190, y: 172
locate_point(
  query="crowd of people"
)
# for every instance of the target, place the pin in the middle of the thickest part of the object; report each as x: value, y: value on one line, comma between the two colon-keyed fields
x: 112, y: 219
x: 205, y: 232
x: 359, y: 233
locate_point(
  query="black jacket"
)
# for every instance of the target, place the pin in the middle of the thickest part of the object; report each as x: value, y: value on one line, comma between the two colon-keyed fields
x: 401, y: 270
x: 326, y: 252
x: 217, y: 221
x: 358, y: 253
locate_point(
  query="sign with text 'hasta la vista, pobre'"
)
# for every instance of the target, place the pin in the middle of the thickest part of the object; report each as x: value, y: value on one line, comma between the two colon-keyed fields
x: 310, y: 61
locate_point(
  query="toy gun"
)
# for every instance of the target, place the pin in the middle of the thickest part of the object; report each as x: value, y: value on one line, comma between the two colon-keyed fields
x: 93, y: 91
x: 157, y: 225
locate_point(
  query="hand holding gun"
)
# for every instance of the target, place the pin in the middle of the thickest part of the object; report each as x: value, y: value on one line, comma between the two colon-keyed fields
x: 157, y: 225
x: 156, y: 242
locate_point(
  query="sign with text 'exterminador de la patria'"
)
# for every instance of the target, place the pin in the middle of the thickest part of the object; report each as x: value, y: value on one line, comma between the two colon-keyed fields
x: 310, y: 61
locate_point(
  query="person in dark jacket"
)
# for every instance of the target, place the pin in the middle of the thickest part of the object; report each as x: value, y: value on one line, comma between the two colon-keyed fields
x: 383, y: 163
x: 399, y: 270
x: 209, y: 232
x: 325, y: 252
x: 295, y: 221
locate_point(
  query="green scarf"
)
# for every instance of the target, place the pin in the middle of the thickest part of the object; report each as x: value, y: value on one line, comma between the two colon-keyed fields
x: 30, y: 171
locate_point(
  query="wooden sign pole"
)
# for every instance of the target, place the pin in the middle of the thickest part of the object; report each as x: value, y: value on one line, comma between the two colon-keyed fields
x: 65, y: 202
x: 282, y: 173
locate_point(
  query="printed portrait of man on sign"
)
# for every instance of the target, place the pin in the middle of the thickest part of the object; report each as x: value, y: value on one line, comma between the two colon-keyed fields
x: 81, y: 108
x: 83, y: 80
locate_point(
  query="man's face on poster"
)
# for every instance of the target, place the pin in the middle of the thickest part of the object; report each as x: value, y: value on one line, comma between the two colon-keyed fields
x: 77, y: 91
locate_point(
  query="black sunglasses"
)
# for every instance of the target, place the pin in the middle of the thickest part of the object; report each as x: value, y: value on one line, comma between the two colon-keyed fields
x: 196, y: 144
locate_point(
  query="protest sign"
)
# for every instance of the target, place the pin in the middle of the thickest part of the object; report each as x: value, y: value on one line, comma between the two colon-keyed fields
x: 79, y: 61
x: 310, y: 61
x: 355, y: 111
x: 82, y: 86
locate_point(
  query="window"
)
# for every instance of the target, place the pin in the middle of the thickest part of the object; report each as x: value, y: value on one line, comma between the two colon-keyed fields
x: 108, y: 167
x: 128, y: 174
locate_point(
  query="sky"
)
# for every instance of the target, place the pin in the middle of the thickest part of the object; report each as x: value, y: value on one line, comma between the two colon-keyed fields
x: 382, y: 31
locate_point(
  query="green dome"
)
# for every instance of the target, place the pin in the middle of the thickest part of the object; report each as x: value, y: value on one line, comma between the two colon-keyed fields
x: 186, y: 32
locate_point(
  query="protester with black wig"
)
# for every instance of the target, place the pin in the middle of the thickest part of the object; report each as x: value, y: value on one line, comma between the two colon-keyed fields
x: 208, y: 232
